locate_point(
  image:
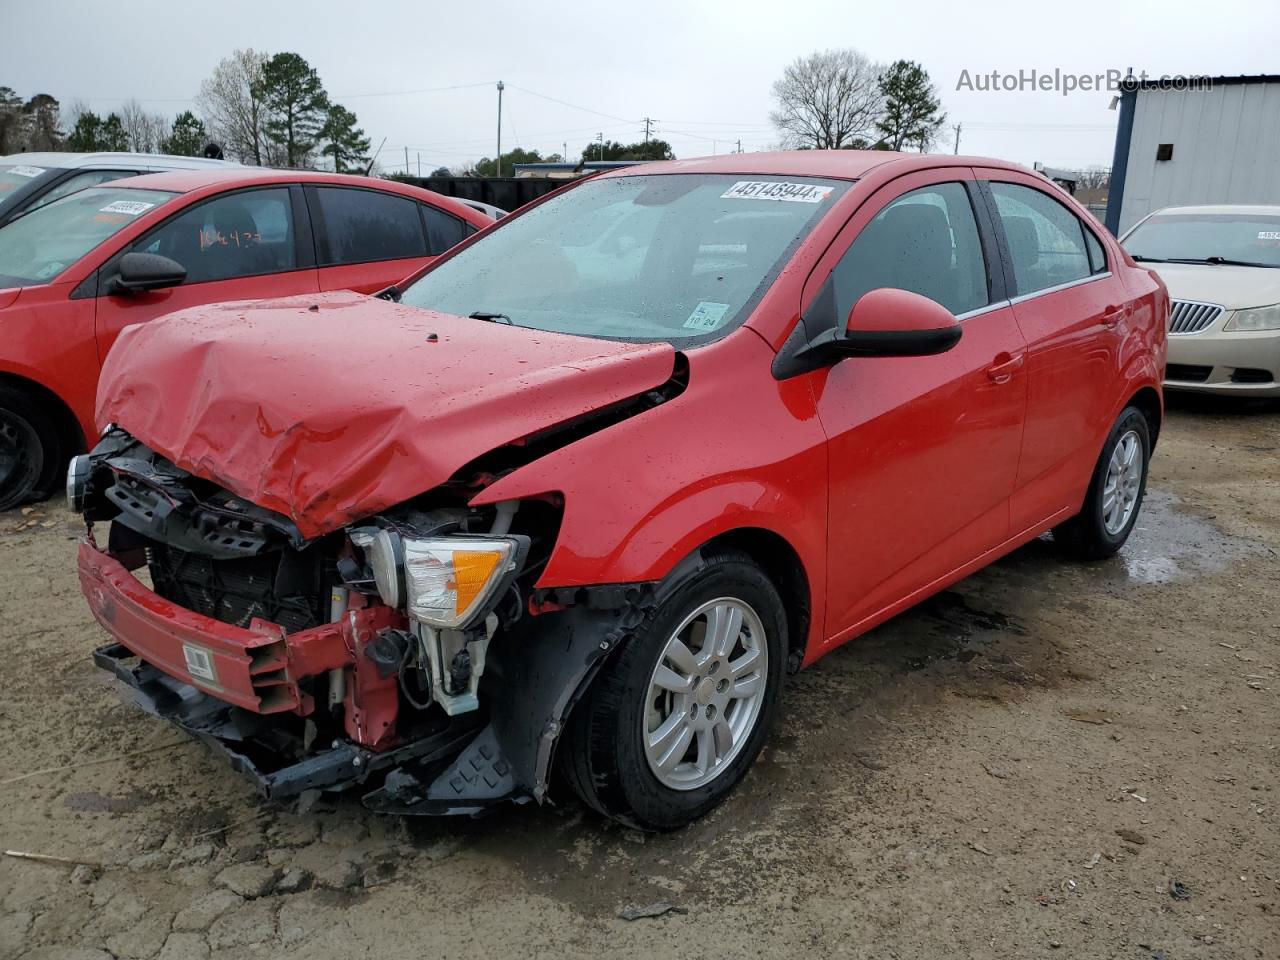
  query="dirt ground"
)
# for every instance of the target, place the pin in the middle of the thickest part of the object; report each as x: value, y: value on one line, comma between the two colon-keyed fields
x: 1022, y: 767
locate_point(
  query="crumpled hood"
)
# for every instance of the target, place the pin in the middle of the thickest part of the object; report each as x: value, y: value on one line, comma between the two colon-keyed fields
x: 1234, y: 287
x: 329, y: 407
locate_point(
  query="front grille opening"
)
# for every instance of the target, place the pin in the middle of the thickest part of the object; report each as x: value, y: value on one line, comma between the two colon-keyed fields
x: 289, y: 588
x: 1186, y: 372
x: 1188, y: 316
x: 1251, y: 375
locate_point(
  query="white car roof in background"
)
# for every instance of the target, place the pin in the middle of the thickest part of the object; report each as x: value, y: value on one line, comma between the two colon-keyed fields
x: 150, y: 161
x: 1247, y: 209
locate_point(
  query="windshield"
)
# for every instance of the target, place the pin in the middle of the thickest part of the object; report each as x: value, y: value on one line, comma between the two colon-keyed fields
x: 678, y: 258
x: 1208, y: 237
x: 35, y: 248
x: 16, y: 175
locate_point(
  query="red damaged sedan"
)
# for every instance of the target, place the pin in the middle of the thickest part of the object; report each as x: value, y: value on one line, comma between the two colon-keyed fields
x: 607, y: 472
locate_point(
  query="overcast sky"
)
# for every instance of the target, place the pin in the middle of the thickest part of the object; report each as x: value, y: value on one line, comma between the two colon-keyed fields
x: 702, y: 71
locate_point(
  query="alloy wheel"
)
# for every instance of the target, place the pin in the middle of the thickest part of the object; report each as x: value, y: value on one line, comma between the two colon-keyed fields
x: 705, y: 694
x: 1123, y: 482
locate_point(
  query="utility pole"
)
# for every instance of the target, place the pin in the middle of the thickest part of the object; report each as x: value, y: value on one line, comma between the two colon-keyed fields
x: 739, y: 146
x: 956, y: 128
x: 499, y: 161
x: 406, y: 161
x: 419, y: 164
x: 600, y: 137
x: 564, y: 157
x: 647, y: 123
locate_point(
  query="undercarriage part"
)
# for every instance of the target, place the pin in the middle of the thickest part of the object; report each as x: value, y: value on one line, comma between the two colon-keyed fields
x: 257, y: 750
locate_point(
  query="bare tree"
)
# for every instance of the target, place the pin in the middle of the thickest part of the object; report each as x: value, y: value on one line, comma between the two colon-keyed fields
x: 144, y: 130
x: 828, y: 100
x: 233, y: 108
x: 1094, y: 178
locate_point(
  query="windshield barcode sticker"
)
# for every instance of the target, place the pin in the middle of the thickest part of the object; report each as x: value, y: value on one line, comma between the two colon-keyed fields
x: 26, y: 171
x: 131, y: 207
x: 776, y: 190
x: 1269, y: 234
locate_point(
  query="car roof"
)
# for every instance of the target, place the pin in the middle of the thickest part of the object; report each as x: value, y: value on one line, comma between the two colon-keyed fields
x: 833, y: 164
x: 63, y: 161
x: 187, y: 181
x: 1246, y: 209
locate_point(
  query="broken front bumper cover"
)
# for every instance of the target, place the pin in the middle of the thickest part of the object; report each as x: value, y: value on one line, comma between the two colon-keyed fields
x: 541, y: 666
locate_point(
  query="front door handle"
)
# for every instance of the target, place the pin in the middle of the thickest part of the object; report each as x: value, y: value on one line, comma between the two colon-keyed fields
x: 1005, y: 366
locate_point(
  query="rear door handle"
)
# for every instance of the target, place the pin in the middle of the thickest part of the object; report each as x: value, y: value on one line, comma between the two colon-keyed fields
x: 1006, y: 365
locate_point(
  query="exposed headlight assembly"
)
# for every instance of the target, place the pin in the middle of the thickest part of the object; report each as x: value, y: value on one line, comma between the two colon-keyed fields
x: 1255, y: 318
x: 444, y: 582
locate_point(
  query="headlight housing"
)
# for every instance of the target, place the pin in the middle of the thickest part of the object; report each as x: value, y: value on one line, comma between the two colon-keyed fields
x: 1255, y: 318
x: 444, y: 582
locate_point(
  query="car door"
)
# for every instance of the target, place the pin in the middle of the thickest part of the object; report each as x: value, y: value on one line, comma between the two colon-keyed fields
x: 923, y: 451
x: 368, y: 239
x: 239, y: 245
x: 1071, y: 309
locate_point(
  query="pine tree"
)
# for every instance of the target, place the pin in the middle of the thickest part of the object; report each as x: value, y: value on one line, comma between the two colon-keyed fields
x: 344, y: 142
x: 912, y: 110
x: 187, y: 137
x: 296, y: 105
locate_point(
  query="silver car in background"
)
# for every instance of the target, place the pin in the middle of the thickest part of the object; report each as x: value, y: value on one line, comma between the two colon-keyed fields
x: 1222, y: 267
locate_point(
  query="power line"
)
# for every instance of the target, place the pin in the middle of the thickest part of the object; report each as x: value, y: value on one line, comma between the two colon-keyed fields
x: 566, y: 103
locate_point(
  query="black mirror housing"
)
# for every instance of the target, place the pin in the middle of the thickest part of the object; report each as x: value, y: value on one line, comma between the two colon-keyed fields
x: 147, y: 271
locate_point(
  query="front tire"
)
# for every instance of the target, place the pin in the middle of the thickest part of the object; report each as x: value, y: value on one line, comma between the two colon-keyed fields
x: 675, y: 721
x: 1116, y: 491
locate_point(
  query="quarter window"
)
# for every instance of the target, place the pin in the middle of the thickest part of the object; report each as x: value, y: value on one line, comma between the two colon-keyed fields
x: 362, y: 226
x: 443, y: 230
x: 242, y: 234
x: 1046, y: 240
x: 925, y: 241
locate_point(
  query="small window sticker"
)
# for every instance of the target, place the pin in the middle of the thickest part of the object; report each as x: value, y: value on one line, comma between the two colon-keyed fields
x: 199, y: 662
x: 24, y: 171
x: 776, y: 190
x: 1269, y: 234
x: 706, y: 316
x: 131, y: 207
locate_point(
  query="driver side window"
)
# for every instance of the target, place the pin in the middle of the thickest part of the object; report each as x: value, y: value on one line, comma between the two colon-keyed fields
x: 243, y: 234
x: 925, y: 241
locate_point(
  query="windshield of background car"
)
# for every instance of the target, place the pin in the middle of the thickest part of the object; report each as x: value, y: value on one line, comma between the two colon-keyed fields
x: 680, y: 257
x: 1248, y: 237
x: 35, y: 248
x: 16, y: 175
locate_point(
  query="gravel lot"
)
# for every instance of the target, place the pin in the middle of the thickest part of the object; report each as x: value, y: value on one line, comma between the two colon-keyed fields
x: 1019, y: 768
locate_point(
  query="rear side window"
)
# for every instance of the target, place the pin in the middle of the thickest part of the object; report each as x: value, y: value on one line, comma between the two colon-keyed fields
x: 443, y: 230
x: 243, y: 234
x: 925, y: 241
x: 1046, y: 240
x: 1097, y: 257
x: 362, y: 226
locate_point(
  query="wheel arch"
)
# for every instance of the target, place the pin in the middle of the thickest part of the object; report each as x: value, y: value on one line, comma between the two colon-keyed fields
x: 1149, y: 404
x: 69, y: 430
x: 781, y: 563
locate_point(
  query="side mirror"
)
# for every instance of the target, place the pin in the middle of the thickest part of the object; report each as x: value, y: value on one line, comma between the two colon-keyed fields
x: 147, y: 271
x: 897, y: 323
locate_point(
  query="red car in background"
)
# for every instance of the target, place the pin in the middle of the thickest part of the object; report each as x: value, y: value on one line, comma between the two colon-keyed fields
x: 608, y: 471
x: 74, y: 273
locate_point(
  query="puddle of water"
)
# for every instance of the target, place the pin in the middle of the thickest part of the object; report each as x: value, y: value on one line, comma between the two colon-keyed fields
x: 1170, y: 544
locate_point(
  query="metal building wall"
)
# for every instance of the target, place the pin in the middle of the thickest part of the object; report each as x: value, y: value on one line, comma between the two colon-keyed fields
x: 1226, y: 148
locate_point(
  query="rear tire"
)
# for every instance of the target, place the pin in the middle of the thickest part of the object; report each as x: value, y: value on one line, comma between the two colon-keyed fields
x: 1116, y: 491
x: 657, y: 758
x: 29, y: 449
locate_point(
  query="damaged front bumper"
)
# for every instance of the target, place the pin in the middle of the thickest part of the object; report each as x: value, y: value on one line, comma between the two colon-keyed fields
x: 234, y: 688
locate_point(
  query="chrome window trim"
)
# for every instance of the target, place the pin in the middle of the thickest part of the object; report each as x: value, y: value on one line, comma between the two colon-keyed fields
x: 998, y: 305
x: 1061, y: 286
